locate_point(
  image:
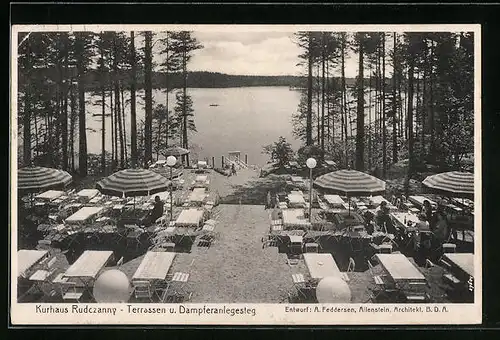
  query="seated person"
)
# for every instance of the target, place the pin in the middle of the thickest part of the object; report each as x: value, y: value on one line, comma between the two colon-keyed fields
x: 370, y: 225
x: 441, y: 230
x: 383, y: 219
x: 423, y: 237
x: 155, y: 213
x: 423, y: 224
x: 427, y: 211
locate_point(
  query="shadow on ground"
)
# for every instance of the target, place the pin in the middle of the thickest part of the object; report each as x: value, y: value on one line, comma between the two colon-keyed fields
x: 255, y: 191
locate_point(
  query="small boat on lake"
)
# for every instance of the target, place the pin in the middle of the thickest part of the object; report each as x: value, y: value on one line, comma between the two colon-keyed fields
x: 214, y: 104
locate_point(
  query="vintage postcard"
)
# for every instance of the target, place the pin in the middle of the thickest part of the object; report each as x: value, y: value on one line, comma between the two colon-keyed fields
x: 245, y: 175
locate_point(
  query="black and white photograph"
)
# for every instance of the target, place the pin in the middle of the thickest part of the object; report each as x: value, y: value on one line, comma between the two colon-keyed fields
x: 202, y: 171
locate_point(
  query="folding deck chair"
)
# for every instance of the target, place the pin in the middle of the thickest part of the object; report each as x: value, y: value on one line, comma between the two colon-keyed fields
x: 176, y: 288
x: 300, y: 285
x: 208, y: 235
x: 382, y: 283
x: 143, y: 290
x: 70, y: 291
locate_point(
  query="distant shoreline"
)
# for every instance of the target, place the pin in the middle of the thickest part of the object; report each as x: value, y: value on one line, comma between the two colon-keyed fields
x: 94, y: 80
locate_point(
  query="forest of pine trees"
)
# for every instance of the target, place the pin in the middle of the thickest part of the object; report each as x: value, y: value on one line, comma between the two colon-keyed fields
x: 413, y: 99
x: 52, y: 72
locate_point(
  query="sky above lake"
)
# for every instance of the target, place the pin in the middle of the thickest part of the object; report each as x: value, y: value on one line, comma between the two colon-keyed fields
x: 253, y: 53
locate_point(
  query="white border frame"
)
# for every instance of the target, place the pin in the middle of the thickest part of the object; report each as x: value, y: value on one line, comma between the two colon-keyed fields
x: 266, y: 314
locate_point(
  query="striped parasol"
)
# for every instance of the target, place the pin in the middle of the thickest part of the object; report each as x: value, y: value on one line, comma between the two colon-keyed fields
x: 33, y: 178
x: 133, y: 182
x: 454, y: 182
x: 176, y: 151
x: 350, y: 183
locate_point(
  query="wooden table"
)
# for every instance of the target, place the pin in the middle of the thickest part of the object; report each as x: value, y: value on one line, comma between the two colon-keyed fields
x: 88, y: 266
x: 399, y: 268
x: 154, y: 266
x: 321, y: 265
x: 463, y: 261
x: 296, y: 200
x: 419, y: 200
x: 334, y: 200
x: 84, y: 214
x: 197, y: 195
x: 50, y: 195
x: 87, y: 193
x: 399, y: 219
x: 294, y: 218
x: 189, y: 217
x: 26, y: 259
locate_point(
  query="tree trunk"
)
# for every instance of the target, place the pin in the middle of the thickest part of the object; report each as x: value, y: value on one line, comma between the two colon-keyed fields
x: 344, y: 99
x: 167, y: 123
x: 400, y: 104
x: 113, y: 129
x: 384, y: 132
x: 425, y: 104
x: 118, y: 104
x: 410, y: 122
x: 184, y: 102
x: 72, y: 125
x: 133, y: 117
x: 103, y: 130
x: 27, y: 127
x: 360, y: 119
x: 124, y: 123
x: 394, y: 107
x: 329, y: 113
x: 318, y: 106
x: 370, y: 120
x: 82, y: 149
x: 309, y: 140
x: 64, y: 113
x: 432, y: 148
x: 148, y: 99
x: 418, y: 106
x: 323, y: 93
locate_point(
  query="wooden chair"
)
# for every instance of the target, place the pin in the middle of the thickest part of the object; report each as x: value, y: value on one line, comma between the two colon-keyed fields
x: 43, y: 275
x: 429, y: 264
x: 142, y: 290
x: 449, y: 248
x: 311, y: 248
x: 177, y: 286
x: 415, y: 297
x: 70, y: 292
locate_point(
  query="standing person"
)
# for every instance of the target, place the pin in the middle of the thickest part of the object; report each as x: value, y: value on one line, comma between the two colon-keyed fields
x: 268, y: 200
x: 233, y: 169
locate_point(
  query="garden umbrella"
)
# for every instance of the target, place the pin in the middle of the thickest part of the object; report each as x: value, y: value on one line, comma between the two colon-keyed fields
x: 350, y: 183
x: 133, y: 182
x: 176, y: 151
x: 34, y: 178
x: 333, y: 289
x: 456, y: 183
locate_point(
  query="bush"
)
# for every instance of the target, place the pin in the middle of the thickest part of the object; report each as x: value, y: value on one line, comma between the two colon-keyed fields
x: 280, y: 152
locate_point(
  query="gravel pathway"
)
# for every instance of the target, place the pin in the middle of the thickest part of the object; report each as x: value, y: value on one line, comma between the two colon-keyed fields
x: 236, y: 268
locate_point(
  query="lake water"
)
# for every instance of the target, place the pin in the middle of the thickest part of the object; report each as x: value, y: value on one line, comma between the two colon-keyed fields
x: 246, y: 119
